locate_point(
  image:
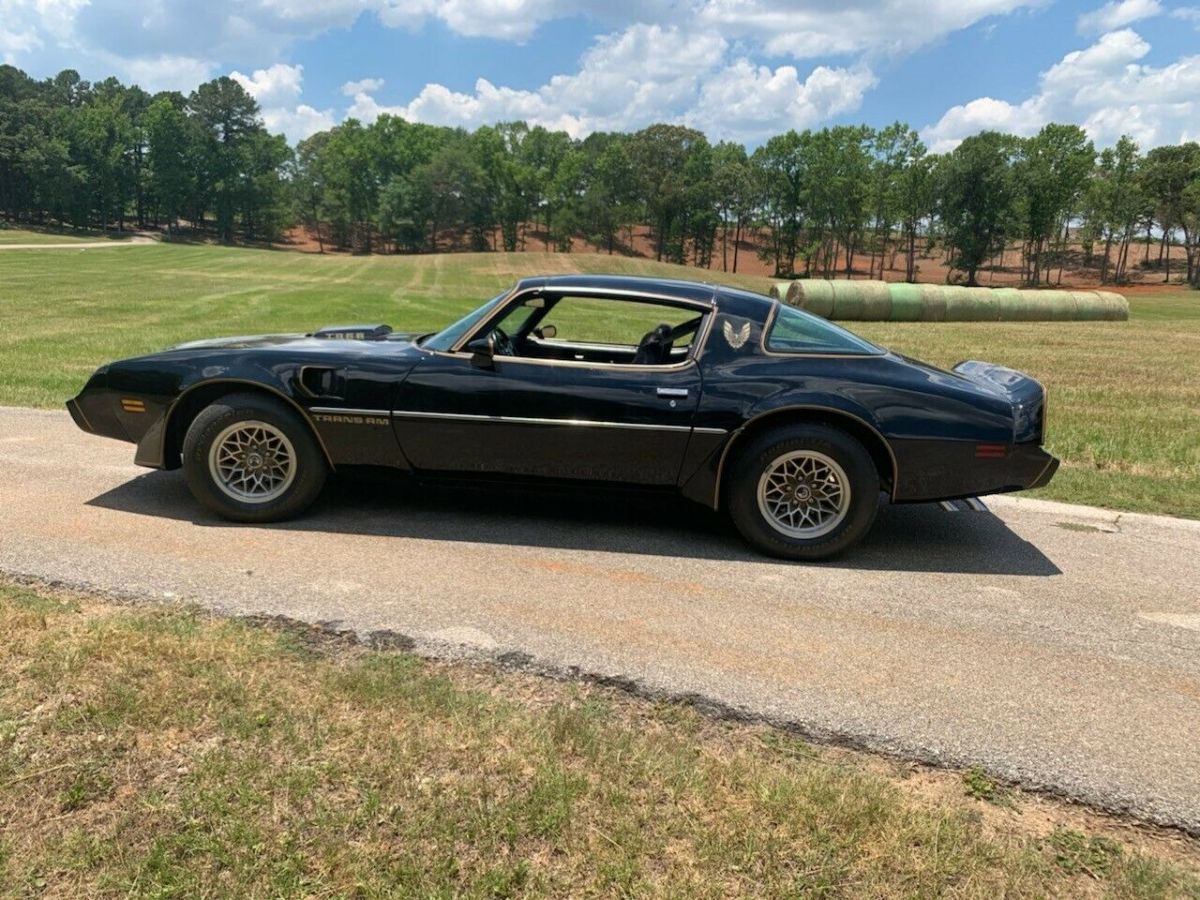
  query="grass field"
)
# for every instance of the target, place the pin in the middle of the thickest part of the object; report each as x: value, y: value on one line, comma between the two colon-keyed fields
x: 159, y: 753
x: 1124, y: 396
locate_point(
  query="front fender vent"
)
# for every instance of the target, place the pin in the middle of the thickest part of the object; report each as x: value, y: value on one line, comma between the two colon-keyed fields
x: 319, y: 382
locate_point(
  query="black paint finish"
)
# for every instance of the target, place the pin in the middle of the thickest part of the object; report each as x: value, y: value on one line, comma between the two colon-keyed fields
x: 383, y: 400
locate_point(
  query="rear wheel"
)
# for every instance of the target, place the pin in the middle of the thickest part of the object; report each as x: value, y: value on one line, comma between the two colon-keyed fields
x: 803, y: 492
x: 249, y: 458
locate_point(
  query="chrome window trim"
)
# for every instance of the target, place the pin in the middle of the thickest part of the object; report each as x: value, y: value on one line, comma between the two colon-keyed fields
x: 708, y: 308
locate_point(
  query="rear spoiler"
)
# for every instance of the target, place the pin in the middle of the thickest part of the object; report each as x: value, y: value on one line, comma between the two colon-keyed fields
x: 1026, y: 395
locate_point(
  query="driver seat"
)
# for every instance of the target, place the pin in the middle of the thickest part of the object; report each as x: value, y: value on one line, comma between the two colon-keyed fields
x: 655, y: 348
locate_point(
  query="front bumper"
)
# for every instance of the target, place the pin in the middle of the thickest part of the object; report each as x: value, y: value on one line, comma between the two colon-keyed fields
x: 77, y: 415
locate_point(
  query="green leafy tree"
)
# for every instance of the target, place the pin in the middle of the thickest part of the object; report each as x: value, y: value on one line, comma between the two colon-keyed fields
x: 1167, y: 175
x: 781, y: 168
x: 227, y: 118
x: 662, y: 158
x: 733, y: 195
x: 170, y: 175
x: 976, y: 188
x: 914, y: 196
x: 1050, y: 172
x: 1115, y: 201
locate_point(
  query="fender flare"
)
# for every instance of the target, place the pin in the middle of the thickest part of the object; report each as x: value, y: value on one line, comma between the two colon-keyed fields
x: 831, y: 411
x: 151, y: 449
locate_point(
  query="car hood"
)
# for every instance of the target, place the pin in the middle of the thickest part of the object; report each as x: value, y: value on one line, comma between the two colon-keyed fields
x: 305, y: 341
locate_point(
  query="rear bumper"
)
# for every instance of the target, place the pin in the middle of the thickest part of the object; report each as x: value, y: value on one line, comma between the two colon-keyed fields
x: 949, y: 470
x: 1047, y: 473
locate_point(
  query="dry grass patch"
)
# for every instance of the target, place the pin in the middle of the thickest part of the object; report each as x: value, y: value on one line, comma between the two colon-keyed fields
x: 160, y: 752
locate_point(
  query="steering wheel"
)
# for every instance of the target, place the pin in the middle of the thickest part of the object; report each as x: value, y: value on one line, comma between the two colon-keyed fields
x: 502, y: 344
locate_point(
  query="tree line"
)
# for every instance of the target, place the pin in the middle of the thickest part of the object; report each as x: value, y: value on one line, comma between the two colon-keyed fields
x: 824, y: 202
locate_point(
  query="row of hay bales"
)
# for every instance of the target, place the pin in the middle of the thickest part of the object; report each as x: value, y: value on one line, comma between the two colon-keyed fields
x: 881, y: 301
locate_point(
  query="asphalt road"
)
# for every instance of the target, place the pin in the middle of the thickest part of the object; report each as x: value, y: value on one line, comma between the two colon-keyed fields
x: 1052, y: 645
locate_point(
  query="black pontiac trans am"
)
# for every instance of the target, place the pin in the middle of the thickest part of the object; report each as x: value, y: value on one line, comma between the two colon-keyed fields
x: 731, y: 399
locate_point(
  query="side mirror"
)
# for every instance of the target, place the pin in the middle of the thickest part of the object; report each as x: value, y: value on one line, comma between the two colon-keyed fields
x: 547, y: 331
x: 482, y: 351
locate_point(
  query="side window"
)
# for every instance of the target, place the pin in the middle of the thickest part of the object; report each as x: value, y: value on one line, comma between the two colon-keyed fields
x: 595, y: 320
x: 515, y: 320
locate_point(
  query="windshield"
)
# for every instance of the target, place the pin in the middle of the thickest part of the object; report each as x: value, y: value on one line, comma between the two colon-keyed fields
x: 796, y: 331
x: 446, y: 338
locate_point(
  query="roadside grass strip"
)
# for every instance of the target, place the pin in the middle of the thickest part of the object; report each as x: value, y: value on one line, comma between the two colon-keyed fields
x: 155, y: 751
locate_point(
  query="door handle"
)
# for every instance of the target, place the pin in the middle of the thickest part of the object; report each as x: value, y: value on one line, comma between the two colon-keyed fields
x: 672, y: 392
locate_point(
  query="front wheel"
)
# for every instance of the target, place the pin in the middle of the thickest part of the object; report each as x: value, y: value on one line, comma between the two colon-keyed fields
x: 805, y: 492
x: 249, y: 458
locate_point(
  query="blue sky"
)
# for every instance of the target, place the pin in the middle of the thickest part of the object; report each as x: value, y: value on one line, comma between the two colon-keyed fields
x: 738, y: 69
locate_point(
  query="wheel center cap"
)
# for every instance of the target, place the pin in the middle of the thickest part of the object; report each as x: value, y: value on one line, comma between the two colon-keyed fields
x: 803, y: 493
x: 254, y: 461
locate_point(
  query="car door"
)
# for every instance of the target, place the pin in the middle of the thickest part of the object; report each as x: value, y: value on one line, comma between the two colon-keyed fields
x: 569, y: 419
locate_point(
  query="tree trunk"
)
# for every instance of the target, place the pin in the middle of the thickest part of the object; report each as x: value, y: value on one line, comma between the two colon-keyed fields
x: 910, y: 264
x: 737, y: 239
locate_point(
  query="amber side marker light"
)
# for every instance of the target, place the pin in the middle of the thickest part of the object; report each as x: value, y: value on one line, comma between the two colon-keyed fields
x: 133, y: 406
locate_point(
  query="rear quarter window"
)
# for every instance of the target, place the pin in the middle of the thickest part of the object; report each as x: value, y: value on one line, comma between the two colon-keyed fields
x: 796, y: 331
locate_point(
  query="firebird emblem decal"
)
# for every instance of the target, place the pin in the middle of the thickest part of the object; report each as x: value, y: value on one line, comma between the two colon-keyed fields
x: 736, y: 339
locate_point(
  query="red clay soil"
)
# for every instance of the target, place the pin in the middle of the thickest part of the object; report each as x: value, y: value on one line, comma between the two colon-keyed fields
x: 931, y: 269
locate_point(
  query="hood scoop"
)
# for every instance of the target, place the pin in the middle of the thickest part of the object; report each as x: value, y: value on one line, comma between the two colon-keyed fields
x: 353, y: 332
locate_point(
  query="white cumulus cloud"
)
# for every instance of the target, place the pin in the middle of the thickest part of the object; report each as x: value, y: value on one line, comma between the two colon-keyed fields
x: 278, y: 84
x: 1104, y: 88
x: 362, y: 86
x: 752, y: 102
x: 1187, y: 14
x: 1117, y: 14
x: 626, y: 80
x: 299, y: 122
x: 277, y: 88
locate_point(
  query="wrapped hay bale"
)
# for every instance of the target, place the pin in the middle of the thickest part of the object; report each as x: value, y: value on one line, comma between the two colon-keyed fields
x: 1059, y: 305
x: 1088, y: 306
x: 1115, y: 307
x: 1011, y: 305
x: 876, y: 299
x: 958, y: 302
x: 847, y: 302
x: 861, y: 301
x: 779, y: 290
x: 933, y: 303
x: 812, y: 294
x: 981, y: 305
x: 906, y: 302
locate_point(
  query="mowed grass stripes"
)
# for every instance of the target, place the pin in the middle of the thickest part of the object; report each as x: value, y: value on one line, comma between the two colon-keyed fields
x: 1124, y: 396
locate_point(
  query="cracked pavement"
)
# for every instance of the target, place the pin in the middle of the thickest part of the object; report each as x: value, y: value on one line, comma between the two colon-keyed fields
x: 1054, y: 646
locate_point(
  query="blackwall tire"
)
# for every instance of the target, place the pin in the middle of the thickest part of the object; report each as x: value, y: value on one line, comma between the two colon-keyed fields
x: 249, y: 458
x: 803, y: 492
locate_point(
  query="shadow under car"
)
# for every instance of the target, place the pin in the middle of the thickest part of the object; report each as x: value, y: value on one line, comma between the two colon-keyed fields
x: 914, y: 538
